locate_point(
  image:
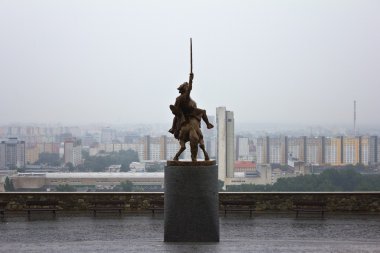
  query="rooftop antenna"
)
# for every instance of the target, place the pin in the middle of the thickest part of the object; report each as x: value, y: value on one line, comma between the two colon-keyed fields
x: 354, y: 117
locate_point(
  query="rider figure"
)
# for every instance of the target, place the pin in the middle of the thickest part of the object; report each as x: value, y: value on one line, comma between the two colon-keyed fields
x: 184, y: 107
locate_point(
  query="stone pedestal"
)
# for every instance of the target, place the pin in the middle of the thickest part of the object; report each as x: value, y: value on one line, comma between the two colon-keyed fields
x: 191, y: 202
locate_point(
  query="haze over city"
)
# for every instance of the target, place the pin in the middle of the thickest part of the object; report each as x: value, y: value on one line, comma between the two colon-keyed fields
x: 299, y: 62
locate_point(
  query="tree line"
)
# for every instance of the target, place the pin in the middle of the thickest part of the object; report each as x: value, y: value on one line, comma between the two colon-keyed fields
x: 100, y: 162
x: 329, y: 180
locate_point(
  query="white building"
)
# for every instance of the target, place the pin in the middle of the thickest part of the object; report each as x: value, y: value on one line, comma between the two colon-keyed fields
x: 225, y: 143
x: 98, y: 180
x: 73, y: 152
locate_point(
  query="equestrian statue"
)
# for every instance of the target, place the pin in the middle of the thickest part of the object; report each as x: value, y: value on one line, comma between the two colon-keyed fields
x: 187, y: 119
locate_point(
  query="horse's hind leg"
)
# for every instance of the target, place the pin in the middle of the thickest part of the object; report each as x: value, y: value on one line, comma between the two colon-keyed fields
x: 183, y: 147
x: 194, y: 140
x: 202, y: 146
x: 194, y: 151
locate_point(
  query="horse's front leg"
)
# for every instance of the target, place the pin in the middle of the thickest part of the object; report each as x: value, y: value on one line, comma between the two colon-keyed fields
x: 183, y: 147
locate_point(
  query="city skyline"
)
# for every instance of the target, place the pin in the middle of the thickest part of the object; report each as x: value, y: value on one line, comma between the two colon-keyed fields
x: 268, y: 61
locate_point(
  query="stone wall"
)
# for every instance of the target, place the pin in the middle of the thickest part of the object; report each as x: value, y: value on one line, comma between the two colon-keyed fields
x: 336, y: 202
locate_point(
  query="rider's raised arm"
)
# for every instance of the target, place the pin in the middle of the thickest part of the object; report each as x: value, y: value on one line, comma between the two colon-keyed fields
x: 191, y: 77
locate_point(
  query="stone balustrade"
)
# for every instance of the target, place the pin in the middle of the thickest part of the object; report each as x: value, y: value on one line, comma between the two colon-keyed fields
x: 139, y: 201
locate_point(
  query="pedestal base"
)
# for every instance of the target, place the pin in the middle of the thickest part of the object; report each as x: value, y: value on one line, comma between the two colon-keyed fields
x: 191, y: 204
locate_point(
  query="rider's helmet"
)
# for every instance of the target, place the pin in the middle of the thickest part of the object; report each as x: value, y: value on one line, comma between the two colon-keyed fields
x: 183, y: 87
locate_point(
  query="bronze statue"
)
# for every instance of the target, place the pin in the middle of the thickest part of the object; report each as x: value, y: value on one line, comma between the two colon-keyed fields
x: 187, y: 119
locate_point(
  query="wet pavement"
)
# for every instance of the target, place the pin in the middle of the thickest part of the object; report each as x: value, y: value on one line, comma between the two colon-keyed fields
x: 144, y: 233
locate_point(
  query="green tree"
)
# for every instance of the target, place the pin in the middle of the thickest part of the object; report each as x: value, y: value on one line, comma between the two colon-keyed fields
x: 328, y: 180
x: 126, y: 186
x: 220, y: 185
x: 8, y: 185
x: 102, y: 161
x: 65, y: 188
x: 70, y: 166
x: 85, y: 154
x: 51, y: 159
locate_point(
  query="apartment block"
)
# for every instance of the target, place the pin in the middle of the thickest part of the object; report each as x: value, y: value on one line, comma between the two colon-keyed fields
x: 297, y: 147
x: 12, y: 154
x: 333, y: 151
x: 32, y: 153
x: 314, y: 150
x: 278, y: 150
x: 242, y: 149
x: 351, y: 150
x: 368, y: 150
x: 73, y: 152
x: 262, y: 150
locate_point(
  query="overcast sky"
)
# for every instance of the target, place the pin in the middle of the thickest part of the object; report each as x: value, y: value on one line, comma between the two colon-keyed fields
x: 282, y: 62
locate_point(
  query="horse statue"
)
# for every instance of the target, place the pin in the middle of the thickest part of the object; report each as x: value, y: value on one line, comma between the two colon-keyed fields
x: 191, y: 132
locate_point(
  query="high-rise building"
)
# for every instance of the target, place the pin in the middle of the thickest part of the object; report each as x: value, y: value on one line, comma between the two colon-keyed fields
x: 278, y: 150
x: 225, y: 143
x: 262, y: 150
x: 12, y: 154
x: 107, y: 135
x: 172, y: 147
x: 377, y: 150
x: 272, y: 150
x: 314, y: 150
x: 351, y: 150
x: 368, y: 150
x: 373, y: 149
x: 296, y: 147
x: 32, y: 153
x: 242, y: 148
x: 333, y: 151
x: 73, y: 152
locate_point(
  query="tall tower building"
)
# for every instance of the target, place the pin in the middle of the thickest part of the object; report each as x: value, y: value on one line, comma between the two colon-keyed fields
x: 225, y: 142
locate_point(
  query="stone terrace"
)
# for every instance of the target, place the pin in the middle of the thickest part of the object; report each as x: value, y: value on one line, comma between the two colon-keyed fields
x: 144, y: 233
x: 352, y: 224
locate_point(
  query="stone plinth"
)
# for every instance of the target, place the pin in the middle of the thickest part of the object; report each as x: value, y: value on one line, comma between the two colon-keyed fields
x: 191, y: 202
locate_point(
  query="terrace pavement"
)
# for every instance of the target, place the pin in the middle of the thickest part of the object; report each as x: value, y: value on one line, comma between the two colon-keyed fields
x: 144, y: 233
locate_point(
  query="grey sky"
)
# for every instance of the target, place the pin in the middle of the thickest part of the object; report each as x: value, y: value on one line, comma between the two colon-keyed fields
x: 121, y: 61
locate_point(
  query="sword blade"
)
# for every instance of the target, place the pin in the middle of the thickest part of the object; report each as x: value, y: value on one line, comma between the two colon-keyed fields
x: 191, y: 55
